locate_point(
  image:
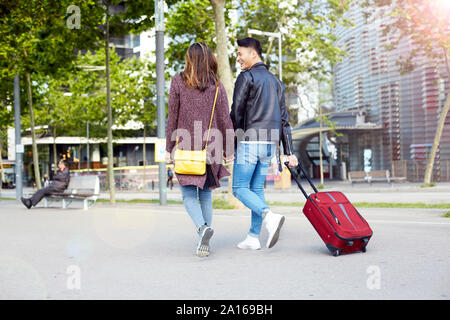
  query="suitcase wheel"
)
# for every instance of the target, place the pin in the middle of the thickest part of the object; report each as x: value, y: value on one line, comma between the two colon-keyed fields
x: 336, y: 253
x: 365, y: 241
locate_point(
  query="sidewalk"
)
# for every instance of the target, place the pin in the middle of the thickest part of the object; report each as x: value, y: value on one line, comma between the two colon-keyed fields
x: 360, y: 192
x: 146, y: 251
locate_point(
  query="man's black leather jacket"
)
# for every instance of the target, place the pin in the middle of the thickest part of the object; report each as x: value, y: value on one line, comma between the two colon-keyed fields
x: 259, y: 103
x: 61, y: 180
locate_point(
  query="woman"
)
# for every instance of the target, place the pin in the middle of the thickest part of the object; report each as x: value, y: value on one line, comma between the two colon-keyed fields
x: 191, y: 99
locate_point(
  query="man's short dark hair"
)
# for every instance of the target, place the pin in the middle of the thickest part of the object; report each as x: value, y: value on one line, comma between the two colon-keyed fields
x: 251, y: 43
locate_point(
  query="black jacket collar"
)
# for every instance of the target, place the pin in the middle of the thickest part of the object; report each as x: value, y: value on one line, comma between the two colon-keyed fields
x: 258, y: 64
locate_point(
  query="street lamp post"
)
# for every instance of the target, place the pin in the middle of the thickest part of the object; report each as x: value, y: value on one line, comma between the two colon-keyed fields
x: 274, y: 35
x: 160, y: 103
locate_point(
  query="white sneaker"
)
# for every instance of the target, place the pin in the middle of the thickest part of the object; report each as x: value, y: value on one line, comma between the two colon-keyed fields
x: 250, y: 242
x: 274, y: 222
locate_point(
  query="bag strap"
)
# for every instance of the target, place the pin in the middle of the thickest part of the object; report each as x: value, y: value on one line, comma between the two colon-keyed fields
x: 212, y: 115
x: 210, y: 121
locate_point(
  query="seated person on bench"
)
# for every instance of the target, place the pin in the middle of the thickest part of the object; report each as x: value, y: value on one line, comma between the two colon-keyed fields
x: 57, y: 185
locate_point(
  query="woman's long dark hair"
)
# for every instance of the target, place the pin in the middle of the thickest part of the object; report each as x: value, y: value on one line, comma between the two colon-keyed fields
x: 201, y: 67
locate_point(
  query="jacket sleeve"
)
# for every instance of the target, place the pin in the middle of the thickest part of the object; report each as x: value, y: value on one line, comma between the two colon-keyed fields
x: 224, y: 123
x: 173, y: 109
x: 286, y: 137
x: 240, y: 96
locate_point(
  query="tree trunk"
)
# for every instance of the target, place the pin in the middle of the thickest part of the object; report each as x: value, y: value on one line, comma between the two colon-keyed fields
x: 79, y: 156
x: 112, y: 191
x: 225, y: 74
x: 440, y: 128
x: 37, y: 174
x: 224, y: 68
x: 437, y: 139
x: 1, y: 165
x: 55, y: 157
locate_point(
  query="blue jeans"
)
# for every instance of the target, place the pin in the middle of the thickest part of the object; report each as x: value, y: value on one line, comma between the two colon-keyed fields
x: 200, y: 213
x: 249, y: 173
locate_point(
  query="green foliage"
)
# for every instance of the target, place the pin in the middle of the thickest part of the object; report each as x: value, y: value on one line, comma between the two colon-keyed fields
x: 6, y: 115
x: 81, y: 96
x: 188, y: 22
x: 428, y: 185
x: 306, y: 32
x: 34, y: 38
x: 221, y: 203
x: 307, y: 39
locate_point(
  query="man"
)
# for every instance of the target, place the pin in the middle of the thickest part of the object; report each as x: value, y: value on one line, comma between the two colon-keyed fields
x: 260, y: 121
x: 57, y: 185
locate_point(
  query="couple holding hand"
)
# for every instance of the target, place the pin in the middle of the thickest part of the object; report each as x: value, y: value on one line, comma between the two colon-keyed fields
x: 249, y: 136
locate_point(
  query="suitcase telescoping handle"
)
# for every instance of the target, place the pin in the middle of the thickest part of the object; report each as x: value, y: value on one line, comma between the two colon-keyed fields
x: 297, y: 180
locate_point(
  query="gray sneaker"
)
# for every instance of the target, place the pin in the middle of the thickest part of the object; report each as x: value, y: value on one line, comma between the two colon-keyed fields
x: 205, y: 233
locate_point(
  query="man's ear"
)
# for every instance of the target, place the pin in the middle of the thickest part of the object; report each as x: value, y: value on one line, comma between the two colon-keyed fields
x: 254, y: 54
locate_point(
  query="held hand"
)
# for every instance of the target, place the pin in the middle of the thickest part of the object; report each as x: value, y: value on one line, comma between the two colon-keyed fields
x: 168, y: 158
x: 293, y: 161
x: 228, y: 159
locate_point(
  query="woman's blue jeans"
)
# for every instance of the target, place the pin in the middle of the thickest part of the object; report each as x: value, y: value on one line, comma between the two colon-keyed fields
x: 251, y: 164
x: 200, y: 213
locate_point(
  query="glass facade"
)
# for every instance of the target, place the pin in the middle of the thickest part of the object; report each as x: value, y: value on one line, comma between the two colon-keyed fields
x: 407, y: 106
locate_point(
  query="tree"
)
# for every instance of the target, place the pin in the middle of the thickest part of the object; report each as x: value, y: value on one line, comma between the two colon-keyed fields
x: 426, y: 24
x: 224, y: 68
x: 208, y: 21
x: 187, y: 24
x: 307, y: 39
x: 40, y: 37
x: 36, y: 40
x: 80, y: 97
x: 225, y: 73
x: 137, y: 15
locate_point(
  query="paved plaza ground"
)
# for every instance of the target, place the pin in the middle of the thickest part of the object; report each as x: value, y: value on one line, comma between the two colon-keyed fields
x: 146, y: 251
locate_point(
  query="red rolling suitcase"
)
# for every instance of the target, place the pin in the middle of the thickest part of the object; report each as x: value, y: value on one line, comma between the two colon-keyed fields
x: 335, y: 219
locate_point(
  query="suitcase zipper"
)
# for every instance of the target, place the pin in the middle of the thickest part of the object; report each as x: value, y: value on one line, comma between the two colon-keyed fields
x: 343, y: 210
x: 334, y: 216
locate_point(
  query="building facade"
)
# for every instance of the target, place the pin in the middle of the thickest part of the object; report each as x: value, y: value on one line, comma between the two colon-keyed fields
x: 407, y: 106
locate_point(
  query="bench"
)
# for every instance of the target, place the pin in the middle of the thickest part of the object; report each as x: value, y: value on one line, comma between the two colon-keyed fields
x: 81, y: 188
x: 373, y: 176
x: 379, y: 175
x: 358, y: 176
